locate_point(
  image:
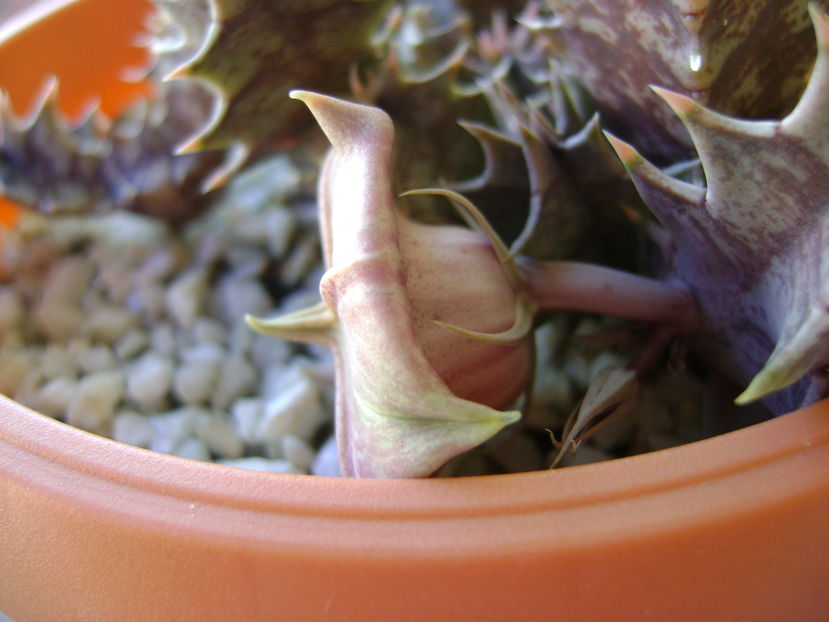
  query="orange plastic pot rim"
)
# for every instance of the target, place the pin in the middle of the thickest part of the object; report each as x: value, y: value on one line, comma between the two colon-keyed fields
x: 638, y: 497
x: 65, y: 38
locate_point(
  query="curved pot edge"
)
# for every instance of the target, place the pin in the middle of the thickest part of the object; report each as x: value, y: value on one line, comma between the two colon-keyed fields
x: 50, y: 455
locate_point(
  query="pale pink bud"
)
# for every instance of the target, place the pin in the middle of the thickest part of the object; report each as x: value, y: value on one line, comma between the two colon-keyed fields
x: 429, y: 327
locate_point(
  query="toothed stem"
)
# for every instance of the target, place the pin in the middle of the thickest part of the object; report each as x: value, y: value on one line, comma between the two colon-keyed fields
x: 574, y: 286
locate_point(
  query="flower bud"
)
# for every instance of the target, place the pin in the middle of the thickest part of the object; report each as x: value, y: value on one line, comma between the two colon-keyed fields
x: 429, y: 326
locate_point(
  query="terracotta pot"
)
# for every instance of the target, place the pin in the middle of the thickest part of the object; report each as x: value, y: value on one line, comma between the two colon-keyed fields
x: 731, y: 528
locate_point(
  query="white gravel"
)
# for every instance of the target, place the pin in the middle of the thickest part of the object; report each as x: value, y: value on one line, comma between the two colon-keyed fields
x: 120, y: 326
x: 93, y: 402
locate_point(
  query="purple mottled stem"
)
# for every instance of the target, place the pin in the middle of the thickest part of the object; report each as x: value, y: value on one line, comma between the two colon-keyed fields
x: 574, y: 286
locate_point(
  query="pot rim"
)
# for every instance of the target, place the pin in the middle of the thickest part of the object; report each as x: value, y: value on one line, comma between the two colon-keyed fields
x: 724, y: 476
x: 44, y: 26
x: 731, y: 527
x: 727, y: 475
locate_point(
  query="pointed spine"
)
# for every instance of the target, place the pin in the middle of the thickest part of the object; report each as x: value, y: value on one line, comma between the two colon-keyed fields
x: 808, y: 119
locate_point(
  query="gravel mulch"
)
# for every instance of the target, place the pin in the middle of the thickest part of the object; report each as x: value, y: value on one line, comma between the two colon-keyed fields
x: 120, y: 326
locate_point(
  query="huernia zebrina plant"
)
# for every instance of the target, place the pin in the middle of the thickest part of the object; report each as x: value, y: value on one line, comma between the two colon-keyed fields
x: 663, y: 161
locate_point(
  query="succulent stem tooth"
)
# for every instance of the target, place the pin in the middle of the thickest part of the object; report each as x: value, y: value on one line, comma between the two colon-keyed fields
x: 807, y: 120
x: 682, y: 105
x: 820, y: 20
x: 524, y: 313
x: 343, y: 122
x: 627, y: 154
x: 791, y: 359
x: 666, y: 196
x: 769, y: 380
x: 311, y: 325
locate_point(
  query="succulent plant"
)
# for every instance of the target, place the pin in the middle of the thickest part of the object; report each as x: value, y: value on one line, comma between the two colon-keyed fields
x: 96, y: 164
x: 408, y: 399
x: 742, y: 59
x: 755, y: 237
x: 431, y: 324
x: 522, y: 111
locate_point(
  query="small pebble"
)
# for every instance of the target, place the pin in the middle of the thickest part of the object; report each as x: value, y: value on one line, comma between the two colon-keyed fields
x: 205, y: 352
x: 300, y: 261
x: 297, y: 452
x: 194, y: 449
x: 327, y: 461
x: 208, y: 329
x: 241, y: 337
x: 149, y: 381
x: 173, y: 427
x: 246, y: 413
x: 26, y: 391
x: 57, y: 361
x: 94, y: 357
x: 194, y: 381
x: 93, y: 404
x: 256, y: 463
x: 132, y: 428
x: 280, y: 226
x: 247, y: 262
x: 158, y: 265
x: 14, y: 366
x: 236, y: 296
x: 32, y: 270
x: 59, y: 320
x: 93, y: 299
x: 163, y: 339
x: 12, y: 310
x: 237, y: 378
x: 53, y: 397
x: 294, y: 408
x: 219, y: 434
x: 269, y: 352
x: 116, y: 278
x: 186, y: 296
x: 133, y: 343
x: 68, y: 280
x: 146, y: 299
x: 108, y: 324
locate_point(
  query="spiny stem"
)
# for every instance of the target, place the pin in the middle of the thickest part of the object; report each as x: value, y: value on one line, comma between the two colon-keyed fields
x: 575, y: 286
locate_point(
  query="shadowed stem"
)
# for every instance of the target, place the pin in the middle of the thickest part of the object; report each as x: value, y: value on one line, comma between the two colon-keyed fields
x: 575, y: 286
